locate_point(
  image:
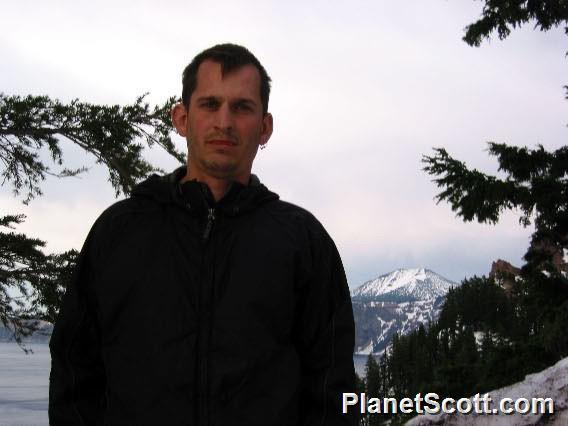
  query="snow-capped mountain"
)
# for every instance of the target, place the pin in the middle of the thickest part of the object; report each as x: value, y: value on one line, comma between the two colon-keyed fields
x: 412, y: 284
x: 397, y: 302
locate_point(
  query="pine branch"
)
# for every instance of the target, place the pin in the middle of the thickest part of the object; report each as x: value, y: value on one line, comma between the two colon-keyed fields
x: 503, y: 15
x: 112, y: 134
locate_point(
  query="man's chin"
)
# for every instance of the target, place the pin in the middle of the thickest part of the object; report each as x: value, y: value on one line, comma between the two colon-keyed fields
x: 221, y: 169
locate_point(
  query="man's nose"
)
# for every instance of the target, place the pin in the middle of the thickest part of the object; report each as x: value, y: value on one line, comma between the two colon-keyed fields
x: 224, y: 118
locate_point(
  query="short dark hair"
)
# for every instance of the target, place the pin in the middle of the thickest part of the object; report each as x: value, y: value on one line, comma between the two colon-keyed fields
x: 230, y: 57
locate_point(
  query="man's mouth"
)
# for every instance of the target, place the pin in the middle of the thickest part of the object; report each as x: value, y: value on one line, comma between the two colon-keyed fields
x: 221, y: 142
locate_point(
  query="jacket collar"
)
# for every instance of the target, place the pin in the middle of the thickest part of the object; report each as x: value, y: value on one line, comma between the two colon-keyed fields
x: 196, y: 195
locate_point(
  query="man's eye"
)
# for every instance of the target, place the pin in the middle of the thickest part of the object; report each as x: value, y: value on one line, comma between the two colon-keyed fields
x: 243, y: 107
x: 210, y: 104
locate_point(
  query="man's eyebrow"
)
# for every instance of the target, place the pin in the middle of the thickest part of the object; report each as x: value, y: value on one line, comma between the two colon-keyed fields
x: 250, y: 101
x: 207, y: 98
x: 216, y: 98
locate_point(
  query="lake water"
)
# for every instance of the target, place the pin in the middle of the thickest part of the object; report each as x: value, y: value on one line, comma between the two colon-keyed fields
x: 24, y: 384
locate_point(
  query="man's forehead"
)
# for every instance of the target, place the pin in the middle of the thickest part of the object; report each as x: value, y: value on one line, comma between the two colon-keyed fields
x: 244, y: 79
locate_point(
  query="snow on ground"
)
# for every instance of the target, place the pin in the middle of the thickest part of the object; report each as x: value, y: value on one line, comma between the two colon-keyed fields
x: 549, y: 383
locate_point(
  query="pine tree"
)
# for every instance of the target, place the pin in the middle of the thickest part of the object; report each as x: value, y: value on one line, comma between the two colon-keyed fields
x: 536, y: 183
x: 525, y: 331
x: 110, y: 133
x: 372, y: 388
x: 31, y: 282
x: 502, y: 15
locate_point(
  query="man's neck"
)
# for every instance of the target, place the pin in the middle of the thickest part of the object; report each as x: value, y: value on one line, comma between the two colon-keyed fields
x: 218, y: 186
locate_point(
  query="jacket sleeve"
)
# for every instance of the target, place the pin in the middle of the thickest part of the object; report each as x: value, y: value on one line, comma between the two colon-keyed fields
x: 327, y: 336
x: 77, y: 380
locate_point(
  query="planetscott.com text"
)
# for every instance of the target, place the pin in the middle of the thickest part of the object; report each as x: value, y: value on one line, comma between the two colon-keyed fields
x: 431, y: 403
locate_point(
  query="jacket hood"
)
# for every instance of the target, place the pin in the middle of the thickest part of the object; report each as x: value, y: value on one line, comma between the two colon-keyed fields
x: 168, y: 189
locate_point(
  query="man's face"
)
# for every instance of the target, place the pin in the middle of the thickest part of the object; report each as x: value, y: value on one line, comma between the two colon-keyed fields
x: 224, y: 124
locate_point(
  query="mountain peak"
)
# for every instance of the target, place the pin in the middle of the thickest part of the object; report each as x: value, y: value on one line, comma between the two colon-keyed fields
x: 404, y: 284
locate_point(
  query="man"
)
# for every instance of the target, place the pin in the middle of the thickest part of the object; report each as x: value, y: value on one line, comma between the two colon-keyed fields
x: 203, y: 299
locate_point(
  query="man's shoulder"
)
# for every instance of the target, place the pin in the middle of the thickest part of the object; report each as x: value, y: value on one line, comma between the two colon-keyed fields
x: 291, y: 210
x: 294, y: 215
x: 120, y: 216
x: 126, y: 207
x: 303, y: 229
x: 146, y: 196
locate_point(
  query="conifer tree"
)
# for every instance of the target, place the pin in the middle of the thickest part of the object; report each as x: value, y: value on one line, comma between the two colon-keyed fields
x: 502, y: 15
x: 372, y: 388
x: 110, y: 133
x: 536, y: 183
x: 31, y: 282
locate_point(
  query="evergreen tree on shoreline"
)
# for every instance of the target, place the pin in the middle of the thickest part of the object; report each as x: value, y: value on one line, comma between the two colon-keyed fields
x: 32, y: 282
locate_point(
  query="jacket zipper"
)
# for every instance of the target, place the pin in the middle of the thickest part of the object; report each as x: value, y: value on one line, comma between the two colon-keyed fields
x: 207, y: 283
x: 209, y: 225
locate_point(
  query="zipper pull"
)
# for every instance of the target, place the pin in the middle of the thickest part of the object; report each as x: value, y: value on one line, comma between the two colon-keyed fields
x: 209, y: 225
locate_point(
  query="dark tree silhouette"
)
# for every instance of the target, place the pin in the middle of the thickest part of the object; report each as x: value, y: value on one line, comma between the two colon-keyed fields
x: 502, y: 15
x: 32, y: 283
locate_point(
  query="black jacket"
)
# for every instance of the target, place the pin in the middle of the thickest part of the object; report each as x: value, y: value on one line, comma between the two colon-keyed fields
x: 184, y: 311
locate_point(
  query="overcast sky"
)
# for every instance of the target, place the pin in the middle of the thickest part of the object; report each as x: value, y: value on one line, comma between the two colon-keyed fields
x: 361, y: 90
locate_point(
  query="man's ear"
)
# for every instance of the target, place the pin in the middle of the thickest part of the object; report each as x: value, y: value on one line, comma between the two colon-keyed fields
x: 266, y: 132
x: 179, y: 118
